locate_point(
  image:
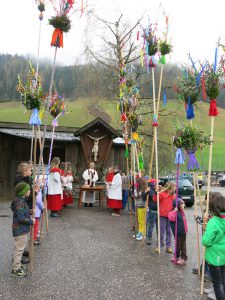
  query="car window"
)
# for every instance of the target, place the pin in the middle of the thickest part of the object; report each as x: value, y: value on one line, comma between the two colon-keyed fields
x: 184, y: 182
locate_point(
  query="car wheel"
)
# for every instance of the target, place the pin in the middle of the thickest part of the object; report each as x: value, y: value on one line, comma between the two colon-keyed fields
x: 189, y: 204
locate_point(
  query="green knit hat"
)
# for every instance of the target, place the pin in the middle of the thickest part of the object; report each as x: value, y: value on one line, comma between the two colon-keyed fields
x: 21, y: 189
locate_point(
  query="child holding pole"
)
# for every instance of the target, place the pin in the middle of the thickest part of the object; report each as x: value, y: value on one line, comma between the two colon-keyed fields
x: 140, y: 207
x: 22, y: 221
x: 179, y: 228
x: 151, y: 220
x: 125, y: 191
x: 166, y: 197
x: 38, y: 211
x: 54, y: 188
x: 214, y: 241
x: 24, y: 172
x: 68, y: 185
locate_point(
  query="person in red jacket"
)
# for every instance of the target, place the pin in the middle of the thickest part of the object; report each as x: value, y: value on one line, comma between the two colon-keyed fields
x: 108, y: 179
x: 166, y: 197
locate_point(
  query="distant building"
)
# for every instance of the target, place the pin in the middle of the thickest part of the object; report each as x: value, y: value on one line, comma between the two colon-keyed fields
x: 70, y: 144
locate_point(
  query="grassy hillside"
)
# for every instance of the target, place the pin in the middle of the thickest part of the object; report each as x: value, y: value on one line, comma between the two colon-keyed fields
x: 82, y: 111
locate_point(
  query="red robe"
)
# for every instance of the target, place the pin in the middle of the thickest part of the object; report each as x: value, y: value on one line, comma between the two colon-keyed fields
x: 54, y: 202
x: 67, y: 194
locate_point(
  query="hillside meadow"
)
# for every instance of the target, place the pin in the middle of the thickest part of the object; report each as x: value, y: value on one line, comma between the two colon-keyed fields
x: 83, y: 110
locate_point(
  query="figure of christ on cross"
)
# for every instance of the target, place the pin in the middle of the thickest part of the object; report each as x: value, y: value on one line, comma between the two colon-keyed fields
x: 95, y: 146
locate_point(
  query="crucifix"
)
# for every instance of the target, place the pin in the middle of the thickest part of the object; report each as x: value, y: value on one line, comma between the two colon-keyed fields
x: 95, y: 146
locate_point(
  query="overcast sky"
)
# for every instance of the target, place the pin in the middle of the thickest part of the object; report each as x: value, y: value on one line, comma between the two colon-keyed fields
x: 194, y: 26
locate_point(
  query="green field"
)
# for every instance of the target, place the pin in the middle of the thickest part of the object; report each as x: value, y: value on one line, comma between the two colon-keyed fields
x: 79, y: 114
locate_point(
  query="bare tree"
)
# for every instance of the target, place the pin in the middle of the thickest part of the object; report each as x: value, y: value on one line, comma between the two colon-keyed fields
x: 119, y: 50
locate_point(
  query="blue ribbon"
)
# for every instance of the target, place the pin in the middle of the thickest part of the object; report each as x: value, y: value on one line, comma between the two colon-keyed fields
x: 215, y: 60
x: 179, y: 158
x: 34, y: 119
x: 193, y: 164
x: 164, y: 98
x: 190, y: 110
x: 193, y: 64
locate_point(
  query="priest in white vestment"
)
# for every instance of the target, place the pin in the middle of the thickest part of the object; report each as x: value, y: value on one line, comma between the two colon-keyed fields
x: 90, y: 176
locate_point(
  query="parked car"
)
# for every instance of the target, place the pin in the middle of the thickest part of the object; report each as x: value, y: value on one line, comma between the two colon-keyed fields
x: 163, y: 181
x: 185, y: 188
x: 190, y: 178
x: 222, y: 181
x: 186, y: 191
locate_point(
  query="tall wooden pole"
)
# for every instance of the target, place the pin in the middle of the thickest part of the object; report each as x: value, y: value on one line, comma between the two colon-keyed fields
x: 156, y: 159
x: 207, y: 199
x: 197, y: 227
x: 157, y: 111
x: 45, y: 213
x: 31, y: 251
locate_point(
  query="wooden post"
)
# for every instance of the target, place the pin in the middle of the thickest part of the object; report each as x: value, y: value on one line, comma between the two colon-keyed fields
x: 45, y: 213
x: 199, y: 195
x: 157, y: 111
x: 156, y: 158
x: 197, y: 227
x: 152, y: 156
x: 31, y: 251
x: 32, y: 143
x: 207, y: 199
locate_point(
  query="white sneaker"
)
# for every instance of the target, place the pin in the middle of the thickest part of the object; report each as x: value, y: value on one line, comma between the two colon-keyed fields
x: 209, y: 291
x: 212, y: 296
x: 139, y: 237
x: 115, y: 215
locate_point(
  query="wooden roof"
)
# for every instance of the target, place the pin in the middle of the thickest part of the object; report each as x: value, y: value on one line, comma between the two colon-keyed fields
x: 11, y: 125
x: 99, y: 122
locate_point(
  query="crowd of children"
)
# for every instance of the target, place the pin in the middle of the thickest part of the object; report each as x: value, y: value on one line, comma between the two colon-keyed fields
x: 143, y: 195
x: 27, y: 213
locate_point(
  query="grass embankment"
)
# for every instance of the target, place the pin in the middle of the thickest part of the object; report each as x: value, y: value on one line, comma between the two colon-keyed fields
x: 80, y: 113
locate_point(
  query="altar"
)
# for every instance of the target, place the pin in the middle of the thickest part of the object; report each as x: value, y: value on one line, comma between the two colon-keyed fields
x: 98, y: 188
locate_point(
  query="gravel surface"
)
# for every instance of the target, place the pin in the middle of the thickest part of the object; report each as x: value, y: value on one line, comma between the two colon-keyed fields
x: 89, y: 254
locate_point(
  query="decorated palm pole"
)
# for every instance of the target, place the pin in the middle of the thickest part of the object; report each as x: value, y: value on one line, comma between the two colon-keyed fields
x: 163, y: 48
x: 32, y: 98
x: 130, y: 120
x: 189, y: 89
x: 41, y: 8
x: 62, y: 24
x: 212, y: 77
x: 190, y: 139
x: 151, y: 47
x: 56, y: 109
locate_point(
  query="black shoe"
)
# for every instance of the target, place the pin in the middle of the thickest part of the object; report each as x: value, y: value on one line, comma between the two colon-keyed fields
x: 91, y: 205
x: 19, y: 273
x: 25, y: 260
x: 37, y: 242
x: 54, y: 215
x: 85, y: 205
x: 25, y: 253
x: 148, y: 241
x: 195, y: 271
x: 207, y: 277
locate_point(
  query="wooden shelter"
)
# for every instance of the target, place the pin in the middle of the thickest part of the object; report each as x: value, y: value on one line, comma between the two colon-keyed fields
x: 70, y: 144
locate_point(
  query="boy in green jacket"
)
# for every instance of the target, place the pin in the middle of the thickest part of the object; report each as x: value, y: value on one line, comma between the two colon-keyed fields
x: 214, y: 241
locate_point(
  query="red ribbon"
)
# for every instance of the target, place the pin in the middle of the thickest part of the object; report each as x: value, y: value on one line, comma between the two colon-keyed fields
x: 123, y: 117
x: 213, y: 111
x: 57, y: 38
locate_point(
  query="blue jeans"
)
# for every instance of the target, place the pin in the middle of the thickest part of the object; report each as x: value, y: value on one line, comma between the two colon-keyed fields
x: 150, y: 222
x: 124, y: 197
x: 165, y: 228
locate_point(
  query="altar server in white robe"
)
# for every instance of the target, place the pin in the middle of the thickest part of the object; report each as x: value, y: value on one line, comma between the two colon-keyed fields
x: 115, y: 193
x: 90, y: 176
